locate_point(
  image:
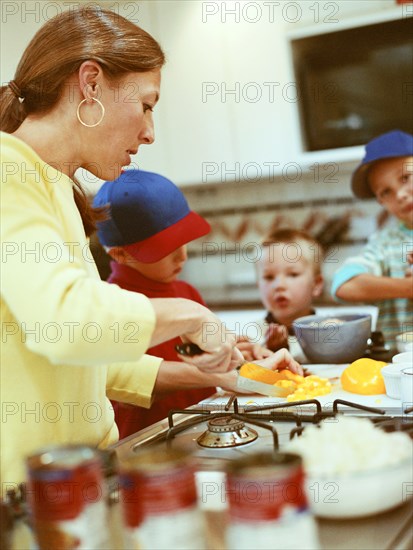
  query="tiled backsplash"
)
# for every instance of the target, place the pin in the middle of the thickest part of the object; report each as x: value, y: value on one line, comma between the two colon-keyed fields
x: 222, y: 265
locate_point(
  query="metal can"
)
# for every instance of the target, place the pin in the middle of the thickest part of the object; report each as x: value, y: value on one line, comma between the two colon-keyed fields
x: 267, y: 504
x: 67, y: 498
x: 159, y: 501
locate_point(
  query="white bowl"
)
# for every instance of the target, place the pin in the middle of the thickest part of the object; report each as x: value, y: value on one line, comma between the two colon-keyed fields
x: 405, y: 357
x: 391, y: 376
x: 404, y: 341
x: 353, y: 468
x: 406, y: 386
x: 360, y: 494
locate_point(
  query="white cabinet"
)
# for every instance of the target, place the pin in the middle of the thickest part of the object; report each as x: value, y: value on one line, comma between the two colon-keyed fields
x: 191, y: 120
x: 262, y: 111
x: 227, y: 102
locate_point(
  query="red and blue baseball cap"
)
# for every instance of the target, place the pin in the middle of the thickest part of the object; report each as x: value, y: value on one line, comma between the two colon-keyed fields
x: 390, y: 145
x: 148, y: 216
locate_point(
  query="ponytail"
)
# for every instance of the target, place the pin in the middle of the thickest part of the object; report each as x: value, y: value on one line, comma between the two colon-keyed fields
x: 12, y: 112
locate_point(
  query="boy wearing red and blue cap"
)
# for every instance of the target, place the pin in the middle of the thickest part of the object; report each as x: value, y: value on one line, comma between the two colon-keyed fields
x: 148, y: 226
x: 381, y: 274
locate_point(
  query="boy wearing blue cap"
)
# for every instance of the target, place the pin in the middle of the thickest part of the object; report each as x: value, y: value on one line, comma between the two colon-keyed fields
x: 146, y: 233
x: 148, y: 226
x: 381, y: 273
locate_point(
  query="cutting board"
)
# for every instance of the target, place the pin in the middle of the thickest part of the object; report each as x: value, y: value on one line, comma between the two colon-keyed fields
x: 333, y: 372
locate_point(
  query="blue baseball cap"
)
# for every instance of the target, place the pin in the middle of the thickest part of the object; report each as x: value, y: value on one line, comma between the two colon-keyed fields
x: 390, y: 145
x: 149, y: 216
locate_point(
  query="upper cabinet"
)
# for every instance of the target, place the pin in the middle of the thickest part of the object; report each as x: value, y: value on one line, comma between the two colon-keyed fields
x: 326, y: 15
x: 227, y: 103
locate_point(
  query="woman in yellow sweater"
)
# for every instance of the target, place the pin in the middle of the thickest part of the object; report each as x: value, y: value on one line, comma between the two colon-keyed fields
x: 82, y: 97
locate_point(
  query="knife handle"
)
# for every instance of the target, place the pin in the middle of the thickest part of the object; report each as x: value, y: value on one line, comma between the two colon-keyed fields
x: 189, y: 349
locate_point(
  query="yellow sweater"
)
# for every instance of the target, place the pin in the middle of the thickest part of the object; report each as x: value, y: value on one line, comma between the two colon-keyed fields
x: 68, y: 339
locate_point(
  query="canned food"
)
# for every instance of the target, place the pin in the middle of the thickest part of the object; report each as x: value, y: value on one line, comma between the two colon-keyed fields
x: 267, y: 504
x: 159, y: 501
x: 67, y: 498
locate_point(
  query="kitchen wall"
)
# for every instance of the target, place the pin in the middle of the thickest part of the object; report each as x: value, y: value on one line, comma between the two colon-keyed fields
x: 222, y: 265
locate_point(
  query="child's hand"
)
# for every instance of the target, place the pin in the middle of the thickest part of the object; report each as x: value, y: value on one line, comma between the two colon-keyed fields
x: 252, y: 351
x: 409, y: 270
x: 276, y: 337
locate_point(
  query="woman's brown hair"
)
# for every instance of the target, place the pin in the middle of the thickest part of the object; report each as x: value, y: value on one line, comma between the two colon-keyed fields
x: 56, y: 52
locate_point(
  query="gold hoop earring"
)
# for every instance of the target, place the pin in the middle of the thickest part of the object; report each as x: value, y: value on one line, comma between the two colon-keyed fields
x: 84, y: 123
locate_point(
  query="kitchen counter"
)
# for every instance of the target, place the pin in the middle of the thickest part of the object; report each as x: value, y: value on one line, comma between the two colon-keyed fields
x: 372, y: 533
x: 388, y: 530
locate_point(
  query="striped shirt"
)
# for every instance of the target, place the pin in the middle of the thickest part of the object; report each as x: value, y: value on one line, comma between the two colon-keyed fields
x: 384, y: 255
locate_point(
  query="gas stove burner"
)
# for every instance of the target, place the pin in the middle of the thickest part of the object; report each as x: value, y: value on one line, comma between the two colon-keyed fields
x: 225, y: 431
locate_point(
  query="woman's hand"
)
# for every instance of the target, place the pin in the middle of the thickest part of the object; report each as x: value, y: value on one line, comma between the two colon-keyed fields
x: 218, y: 360
x: 251, y: 351
x: 281, y: 359
x: 193, y: 322
x: 228, y: 382
x: 223, y: 358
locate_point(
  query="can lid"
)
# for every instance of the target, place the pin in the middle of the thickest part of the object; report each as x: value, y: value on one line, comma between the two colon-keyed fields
x: 156, y: 459
x: 61, y: 456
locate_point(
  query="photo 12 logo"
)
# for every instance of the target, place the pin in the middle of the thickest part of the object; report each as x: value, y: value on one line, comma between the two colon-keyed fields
x: 268, y: 92
x: 40, y: 12
x: 270, y: 12
x: 254, y: 172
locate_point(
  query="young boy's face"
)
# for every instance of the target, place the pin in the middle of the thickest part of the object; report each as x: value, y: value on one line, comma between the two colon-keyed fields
x: 287, y: 280
x: 391, y: 180
x: 164, y: 271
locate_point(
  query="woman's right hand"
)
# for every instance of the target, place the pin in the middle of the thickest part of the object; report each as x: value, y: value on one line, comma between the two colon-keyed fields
x: 218, y: 344
x: 193, y: 322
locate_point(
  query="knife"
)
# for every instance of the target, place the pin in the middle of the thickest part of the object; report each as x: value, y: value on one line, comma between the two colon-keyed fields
x: 190, y: 349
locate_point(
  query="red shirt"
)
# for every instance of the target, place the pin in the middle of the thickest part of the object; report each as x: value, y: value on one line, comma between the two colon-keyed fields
x: 130, y: 418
